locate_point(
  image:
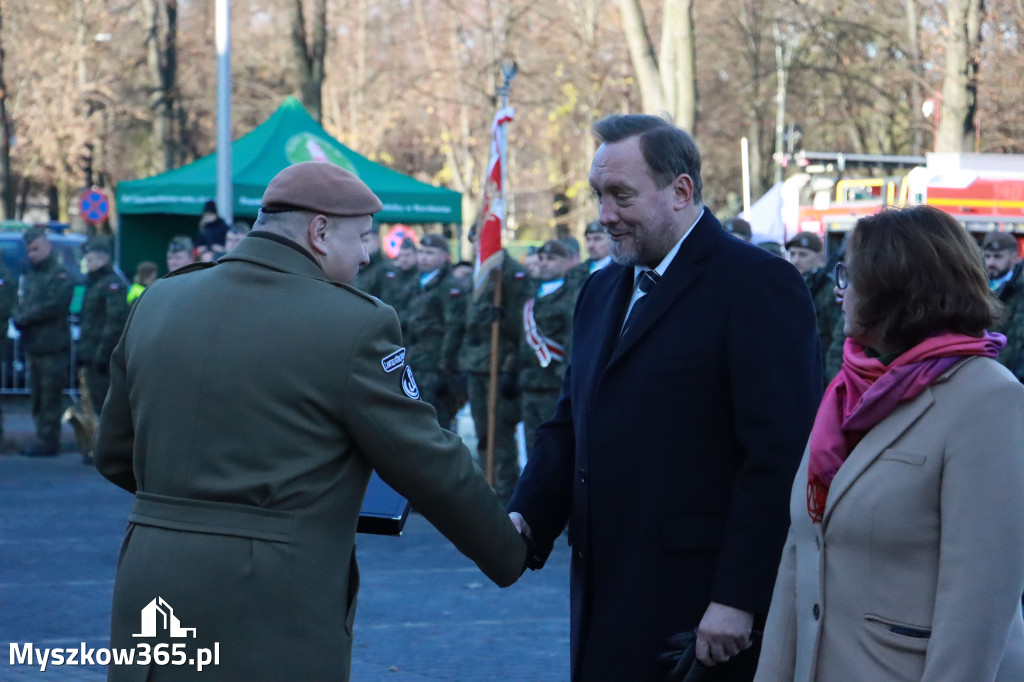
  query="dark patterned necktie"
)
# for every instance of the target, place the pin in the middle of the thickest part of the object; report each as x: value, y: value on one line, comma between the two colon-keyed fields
x: 648, y: 278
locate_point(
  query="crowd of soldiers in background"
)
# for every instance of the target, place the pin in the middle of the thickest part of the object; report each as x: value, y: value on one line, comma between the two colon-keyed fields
x: 446, y: 319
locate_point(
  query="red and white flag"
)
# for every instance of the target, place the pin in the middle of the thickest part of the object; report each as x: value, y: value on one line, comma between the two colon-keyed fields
x: 488, y: 253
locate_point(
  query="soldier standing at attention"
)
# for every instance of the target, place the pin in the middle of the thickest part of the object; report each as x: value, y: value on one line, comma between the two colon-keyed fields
x: 8, y: 297
x: 599, y: 248
x: 434, y: 313
x: 396, y: 278
x: 368, y: 279
x: 475, y: 362
x: 104, y: 311
x: 42, y: 319
x: 807, y: 254
x: 1006, y: 280
x: 547, y: 332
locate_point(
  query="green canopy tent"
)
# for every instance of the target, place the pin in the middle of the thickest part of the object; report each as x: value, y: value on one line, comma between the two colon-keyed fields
x: 152, y: 210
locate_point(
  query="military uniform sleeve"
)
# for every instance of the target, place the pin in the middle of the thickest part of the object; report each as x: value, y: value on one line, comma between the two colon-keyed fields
x: 115, y: 439
x: 52, y: 303
x: 517, y: 286
x: 454, y: 323
x: 113, y: 324
x: 8, y: 294
x: 399, y: 436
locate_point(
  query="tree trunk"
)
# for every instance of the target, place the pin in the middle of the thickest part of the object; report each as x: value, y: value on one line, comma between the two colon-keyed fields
x: 641, y: 54
x: 309, y: 55
x: 960, y: 89
x: 162, y: 61
x: 6, y: 187
x: 917, y: 68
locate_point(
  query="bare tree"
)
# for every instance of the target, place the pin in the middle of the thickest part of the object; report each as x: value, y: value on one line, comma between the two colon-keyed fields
x: 667, y: 79
x: 309, y: 54
x: 6, y: 188
x: 161, y: 26
x: 957, y: 127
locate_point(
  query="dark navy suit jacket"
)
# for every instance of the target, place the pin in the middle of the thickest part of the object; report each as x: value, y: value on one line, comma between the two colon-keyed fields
x: 672, y: 451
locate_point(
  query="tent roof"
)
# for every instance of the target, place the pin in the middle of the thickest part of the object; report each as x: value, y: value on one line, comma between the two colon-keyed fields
x: 289, y: 136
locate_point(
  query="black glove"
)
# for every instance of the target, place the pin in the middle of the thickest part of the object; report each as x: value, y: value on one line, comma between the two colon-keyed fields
x: 680, y: 660
x: 533, y: 559
x: 509, y: 385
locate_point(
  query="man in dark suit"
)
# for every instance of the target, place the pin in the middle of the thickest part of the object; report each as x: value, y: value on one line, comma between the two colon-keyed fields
x: 680, y: 425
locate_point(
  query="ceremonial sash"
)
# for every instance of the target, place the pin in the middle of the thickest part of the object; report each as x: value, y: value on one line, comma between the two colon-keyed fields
x: 545, y: 349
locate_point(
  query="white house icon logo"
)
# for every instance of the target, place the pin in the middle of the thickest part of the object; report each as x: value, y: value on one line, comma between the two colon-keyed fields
x: 169, y: 620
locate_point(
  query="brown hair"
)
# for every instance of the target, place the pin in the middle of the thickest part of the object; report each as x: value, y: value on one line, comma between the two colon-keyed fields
x: 918, y: 273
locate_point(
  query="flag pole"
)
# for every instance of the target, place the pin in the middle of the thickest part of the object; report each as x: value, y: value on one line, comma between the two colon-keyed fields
x: 508, y: 72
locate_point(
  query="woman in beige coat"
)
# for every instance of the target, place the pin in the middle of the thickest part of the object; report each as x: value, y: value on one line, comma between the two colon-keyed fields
x: 905, y: 556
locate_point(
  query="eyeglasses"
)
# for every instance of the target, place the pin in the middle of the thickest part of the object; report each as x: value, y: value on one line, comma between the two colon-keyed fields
x: 842, y: 276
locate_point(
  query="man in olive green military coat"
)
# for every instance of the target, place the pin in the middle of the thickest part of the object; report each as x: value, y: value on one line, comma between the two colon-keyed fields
x: 434, y: 311
x: 42, y: 319
x: 8, y: 297
x: 250, y: 399
x: 547, y: 338
x: 104, y: 311
x: 475, y: 363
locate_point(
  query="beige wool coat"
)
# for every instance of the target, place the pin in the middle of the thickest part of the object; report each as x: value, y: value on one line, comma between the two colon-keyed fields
x: 917, y: 569
x: 249, y: 403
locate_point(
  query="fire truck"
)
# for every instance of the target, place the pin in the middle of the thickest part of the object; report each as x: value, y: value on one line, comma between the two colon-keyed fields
x: 985, y: 192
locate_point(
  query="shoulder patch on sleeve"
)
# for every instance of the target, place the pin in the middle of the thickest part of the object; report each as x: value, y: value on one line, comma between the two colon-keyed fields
x: 393, y: 361
x: 520, y: 274
x: 409, y: 385
x: 455, y: 292
x: 115, y: 286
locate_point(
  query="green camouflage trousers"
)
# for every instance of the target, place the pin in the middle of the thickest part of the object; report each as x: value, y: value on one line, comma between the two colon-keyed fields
x: 49, y: 378
x: 506, y: 456
x: 538, y: 407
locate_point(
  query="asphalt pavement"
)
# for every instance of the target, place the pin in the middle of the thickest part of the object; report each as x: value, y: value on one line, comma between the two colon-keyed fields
x: 425, y: 612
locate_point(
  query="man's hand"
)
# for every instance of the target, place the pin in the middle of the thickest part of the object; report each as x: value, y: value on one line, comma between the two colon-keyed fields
x: 723, y: 632
x: 534, y: 560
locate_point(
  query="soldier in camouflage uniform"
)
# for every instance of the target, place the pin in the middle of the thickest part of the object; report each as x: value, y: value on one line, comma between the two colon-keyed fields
x: 433, y: 318
x: 547, y: 333
x: 8, y: 297
x: 42, y: 319
x: 475, y: 362
x: 368, y: 279
x: 104, y: 311
x: 1006, y: 280
x: 599, y: 248
x: 395, y: 278
x: 807, y: 254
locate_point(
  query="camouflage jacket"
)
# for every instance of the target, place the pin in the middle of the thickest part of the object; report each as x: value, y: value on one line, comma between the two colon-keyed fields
x: 475, y: 353
x: 42, y: 312
x: 104, y: 311
x: 1011, y: 295
x: 552, y: 315
x: 434, y: 319
x: 8, y: 295
x: 368, y: 279
x: 826, y: 309
x: 393, y: 287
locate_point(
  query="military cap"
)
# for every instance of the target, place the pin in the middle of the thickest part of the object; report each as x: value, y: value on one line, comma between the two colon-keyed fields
x: 210, y: 206
x: 772, y: 247
x: 554, y: 247
x: 594, y: 226
x: 571, y: 244
x: 97, y: 245
x: 999, y: 241
x: 408, y: 243
x: 435, y: 241
x: 34, y: 233
x: 319, y: 187
x: 805, y: 240
x: 740, y: 228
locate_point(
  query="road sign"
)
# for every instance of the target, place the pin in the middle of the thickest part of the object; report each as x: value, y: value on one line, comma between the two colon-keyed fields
x: 94, y: 205
x: 394, y: 238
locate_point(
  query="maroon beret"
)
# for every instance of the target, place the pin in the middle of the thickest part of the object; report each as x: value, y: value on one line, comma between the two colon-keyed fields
x: 319, y: 187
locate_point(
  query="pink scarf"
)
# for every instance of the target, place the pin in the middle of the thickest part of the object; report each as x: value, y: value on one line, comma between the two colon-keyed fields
x: 865, y: 392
